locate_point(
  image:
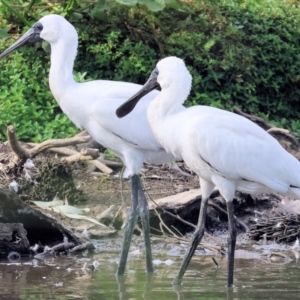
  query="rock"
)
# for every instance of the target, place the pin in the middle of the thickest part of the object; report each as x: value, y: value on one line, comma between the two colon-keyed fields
x: 13, y: 238
x: 41, y: 227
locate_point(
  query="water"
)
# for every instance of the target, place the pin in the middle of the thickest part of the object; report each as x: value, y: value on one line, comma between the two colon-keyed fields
x: 65, y: 278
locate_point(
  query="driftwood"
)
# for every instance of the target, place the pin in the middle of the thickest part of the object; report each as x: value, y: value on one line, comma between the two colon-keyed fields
x: 173, y: 212
x: 102, y: 167
x: 21, y: 152
x: 84, y: 155
x: 186, y: 202
x: 100, y: 163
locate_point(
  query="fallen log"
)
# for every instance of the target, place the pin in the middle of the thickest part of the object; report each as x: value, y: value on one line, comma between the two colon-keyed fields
x: 182, y: 210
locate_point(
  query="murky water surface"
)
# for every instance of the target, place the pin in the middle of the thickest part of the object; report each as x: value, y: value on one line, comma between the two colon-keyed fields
x: 73, y: 278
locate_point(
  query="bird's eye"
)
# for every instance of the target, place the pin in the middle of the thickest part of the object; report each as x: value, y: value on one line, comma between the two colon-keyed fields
x: 39, y: 26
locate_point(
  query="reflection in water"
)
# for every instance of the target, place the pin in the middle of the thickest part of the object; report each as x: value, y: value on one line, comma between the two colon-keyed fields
x: 65, y: 278
x: 123, y: 295
x: 230, y: 294
x: 179, y: 291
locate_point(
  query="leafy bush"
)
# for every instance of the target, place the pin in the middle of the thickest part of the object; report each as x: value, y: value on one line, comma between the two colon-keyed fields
x: 242, y: 52
x: 26, y: 101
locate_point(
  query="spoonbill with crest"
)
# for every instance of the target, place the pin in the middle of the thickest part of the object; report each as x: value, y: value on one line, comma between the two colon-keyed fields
x: 91, y: 105
x: 226, y: 150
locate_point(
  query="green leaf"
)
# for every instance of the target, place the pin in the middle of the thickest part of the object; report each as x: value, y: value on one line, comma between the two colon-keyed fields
x: 98, y: 14
x: 209, y: 44
x: 77, y: 16
x: 128, y: 2
x: 172, y: 3
x: 102, y: 5
x: 109, y: 153
x: 3, y: 33
x: 154, y: 5
x: 49, y: 204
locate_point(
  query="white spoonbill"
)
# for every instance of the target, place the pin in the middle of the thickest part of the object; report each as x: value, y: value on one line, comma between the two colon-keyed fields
x: 226, y: 150
x: 91, y: 105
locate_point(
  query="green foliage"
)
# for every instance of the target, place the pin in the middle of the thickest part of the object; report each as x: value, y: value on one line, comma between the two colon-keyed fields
x: 3, y: 33
x: 26, y: 101
x: 240, y: 52
x: 109, y: 153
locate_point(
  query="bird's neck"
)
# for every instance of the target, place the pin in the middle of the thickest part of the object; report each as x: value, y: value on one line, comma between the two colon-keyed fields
x: 61, y: 69
x: 163, y: 107
x: 167, y: 102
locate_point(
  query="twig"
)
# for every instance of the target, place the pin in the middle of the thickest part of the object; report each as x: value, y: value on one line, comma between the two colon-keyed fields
x: 215, y: 262
x: 177, y: 230
x: 208, y: 246
x: 169, y: 213
x: 163, y: 223
x: 221, y: 210
x: 70, y: 152
x: 161, y: 229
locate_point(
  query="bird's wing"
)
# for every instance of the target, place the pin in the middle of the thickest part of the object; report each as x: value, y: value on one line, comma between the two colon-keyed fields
x: 239, y: 149
x: 134, y: 128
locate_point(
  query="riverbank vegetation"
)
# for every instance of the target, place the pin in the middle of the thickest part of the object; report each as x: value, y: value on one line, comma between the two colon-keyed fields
x: 241, y: 53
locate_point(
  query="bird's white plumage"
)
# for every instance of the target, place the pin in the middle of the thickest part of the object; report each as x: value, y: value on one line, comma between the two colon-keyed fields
x: 224, y: 149
x: 92, y: 105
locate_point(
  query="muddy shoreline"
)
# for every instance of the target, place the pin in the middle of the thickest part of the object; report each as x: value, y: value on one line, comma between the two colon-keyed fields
x: 84, y: 187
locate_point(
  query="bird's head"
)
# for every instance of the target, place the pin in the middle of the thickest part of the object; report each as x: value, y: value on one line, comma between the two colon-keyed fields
x: 170, y: 71
x: 51, y: 28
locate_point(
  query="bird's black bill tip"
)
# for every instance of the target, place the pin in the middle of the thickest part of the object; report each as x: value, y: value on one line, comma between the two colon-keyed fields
x: 126, y: 108
x: 130, y: 104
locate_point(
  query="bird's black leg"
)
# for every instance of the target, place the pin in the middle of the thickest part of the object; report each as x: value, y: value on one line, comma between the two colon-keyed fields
x: 131, y: 221
x: 231, y: 242
x: 144, y: 215
x: 195, y: 242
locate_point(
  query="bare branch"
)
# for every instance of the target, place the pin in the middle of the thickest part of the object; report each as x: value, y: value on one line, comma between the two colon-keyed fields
x: 221, y: 210
x: 85, y: 154
x: 14, y: 143
x: 98, y: 164
x: 58, y: 143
